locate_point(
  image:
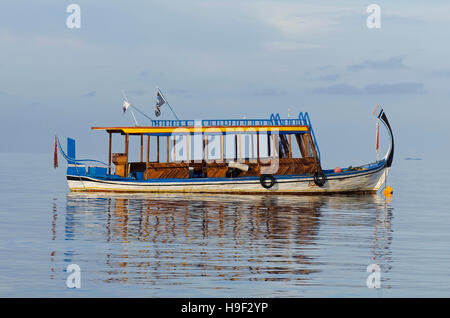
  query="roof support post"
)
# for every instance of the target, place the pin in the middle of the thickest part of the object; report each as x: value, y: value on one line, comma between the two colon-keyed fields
x: 290, y: 147
x: 157, y: 148
x: 127, y: 141
x: 206, y: 148
x: 240, y: 147
x: 148, y: 148
x: 222, y: 155
x: 168, y: 148
x: 142, y: 147
x: 174, y: 148
x: 187, y: 147
x: 274, y: 145
x: 109, y: 153
x: 252, y: 155
x: 235, y: 147
x: 257, y: 146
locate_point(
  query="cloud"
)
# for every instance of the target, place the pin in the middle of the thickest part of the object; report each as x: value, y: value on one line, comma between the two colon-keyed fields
x: 148, y: 75
x: 291, y: 45
x: 137, y: 92
x: 292, y: 24
x: 395, y: 62
x: 325, y: 67
x: 371, y: 89
x: 403, y: 19
x: 328, y: 78
x: 145, y: 73
x: 6, y: 37
x: 89, y: 94
x: 180, y: 92
x: 293, y: 19
x: 268, y: 92
x: 441, y: 73
x: 338, y: 89
x: 56, y: 42
x: 398, y: 88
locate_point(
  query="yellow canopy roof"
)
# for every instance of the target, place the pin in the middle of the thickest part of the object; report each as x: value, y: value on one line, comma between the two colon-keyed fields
x: 137, y: 130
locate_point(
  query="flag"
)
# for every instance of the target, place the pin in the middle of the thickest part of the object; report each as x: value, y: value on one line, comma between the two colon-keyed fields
x: 159, y: 102
x: 378, y: 134
x: 55, y: 155
x: 125, y: 105
x: 375, y: 109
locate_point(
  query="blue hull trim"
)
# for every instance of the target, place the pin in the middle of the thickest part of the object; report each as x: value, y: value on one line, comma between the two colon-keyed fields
x: 330, y: 174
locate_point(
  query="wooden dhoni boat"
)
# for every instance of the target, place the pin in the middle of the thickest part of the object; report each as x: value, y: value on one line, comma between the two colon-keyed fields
x: 244, y: 156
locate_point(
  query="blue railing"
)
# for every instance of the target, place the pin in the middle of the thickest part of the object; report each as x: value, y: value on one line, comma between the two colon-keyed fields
x: 274, y: 120
x: 173, y: 123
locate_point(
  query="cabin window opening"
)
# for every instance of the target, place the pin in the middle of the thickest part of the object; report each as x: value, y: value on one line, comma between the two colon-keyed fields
x: 283, y: 144
x: 167, y: 148
x: 117, y: 145
x: 133, y: 148
x: 271, y: 141
x: 310, y: 145
x: 180, y: 152
x: 196, y: 148
x: 152, y: 150
x: 253, y: 145
x: 263, y: 145
x: 294, y: 148
x: 163, y: 153
x: 248, y: 145
x: 275, y: 145
x: 213, y: 147
x: 230, y: 146
x: 305, y: 146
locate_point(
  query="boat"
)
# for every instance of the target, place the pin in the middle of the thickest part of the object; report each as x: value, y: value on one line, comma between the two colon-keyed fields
x: 234, y: 156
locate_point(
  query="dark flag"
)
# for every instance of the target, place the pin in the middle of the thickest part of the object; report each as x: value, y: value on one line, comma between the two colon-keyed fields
x: 159, y: 102
x: 55, y: 154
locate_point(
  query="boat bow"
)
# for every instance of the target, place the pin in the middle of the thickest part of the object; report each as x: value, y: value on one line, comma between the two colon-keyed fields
x: 389, y: 157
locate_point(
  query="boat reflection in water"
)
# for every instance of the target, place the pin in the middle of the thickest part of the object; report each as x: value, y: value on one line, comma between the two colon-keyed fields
x: 203, y: 241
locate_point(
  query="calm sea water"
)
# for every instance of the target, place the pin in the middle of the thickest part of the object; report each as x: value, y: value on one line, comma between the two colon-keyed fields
x: 222, y: 246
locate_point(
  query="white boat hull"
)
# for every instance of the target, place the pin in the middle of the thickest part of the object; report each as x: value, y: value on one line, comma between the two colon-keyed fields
x: 368, y: 181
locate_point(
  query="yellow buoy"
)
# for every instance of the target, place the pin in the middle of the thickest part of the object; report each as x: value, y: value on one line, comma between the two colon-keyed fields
x: 388, y: 191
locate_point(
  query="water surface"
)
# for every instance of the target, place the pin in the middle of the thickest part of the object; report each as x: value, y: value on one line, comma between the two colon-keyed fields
x: 166, y: 245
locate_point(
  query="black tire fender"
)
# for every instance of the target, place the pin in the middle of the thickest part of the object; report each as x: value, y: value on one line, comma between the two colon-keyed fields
x: 319, y: 178
x: 264, y: 178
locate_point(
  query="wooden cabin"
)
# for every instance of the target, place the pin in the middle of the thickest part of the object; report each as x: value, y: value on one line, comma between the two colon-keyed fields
x: 216, y: 149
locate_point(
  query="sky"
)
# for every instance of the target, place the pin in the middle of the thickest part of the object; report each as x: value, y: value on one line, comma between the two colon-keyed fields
x: 227, y: 59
